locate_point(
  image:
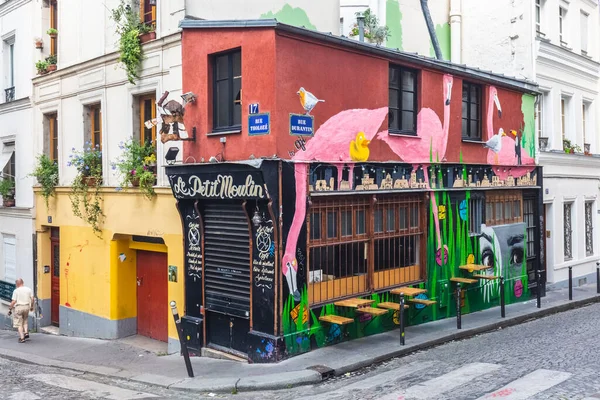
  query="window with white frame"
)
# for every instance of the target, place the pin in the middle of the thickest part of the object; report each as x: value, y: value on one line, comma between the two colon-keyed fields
x: 585, y: 120
x: 568, y: 231
x: 539, y: 112
x: 10, y: 258
x: 7, y: 161
x: 538, y: 15
x: 584, y: 32
x: 9, y: 68
x: 589, y: 228
x: 565, y: 117
x: 562, y: 24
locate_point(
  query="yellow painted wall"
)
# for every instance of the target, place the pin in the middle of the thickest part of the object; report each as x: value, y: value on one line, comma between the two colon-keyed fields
x: 93, y: 278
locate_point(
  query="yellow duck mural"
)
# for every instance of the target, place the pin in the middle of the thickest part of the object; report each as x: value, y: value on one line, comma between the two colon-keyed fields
x: 359, y: 150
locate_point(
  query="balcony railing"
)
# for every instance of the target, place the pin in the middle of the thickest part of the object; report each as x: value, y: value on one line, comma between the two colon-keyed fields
x: 10, y: 94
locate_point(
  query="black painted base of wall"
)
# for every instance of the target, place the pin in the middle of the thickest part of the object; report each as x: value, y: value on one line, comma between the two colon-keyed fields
x: 264, y: 348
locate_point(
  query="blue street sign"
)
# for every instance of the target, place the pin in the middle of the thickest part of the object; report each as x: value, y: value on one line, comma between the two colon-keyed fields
x: 259, y: 124
x: 253, y: 108
x: 301, y: 125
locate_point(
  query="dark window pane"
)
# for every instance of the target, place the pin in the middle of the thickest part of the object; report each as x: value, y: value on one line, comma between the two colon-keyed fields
x: 346, y: 223
x: 394, y: 98
x: 222, y: 103
x: 508, y: 210
x: 315, y: 226
x: 360, y: 223
x: 408, y: 80
x: 465, y: 110
x: 222, y: 67
x: 402, y: 215
x: 393, y: 119
x: 408, y: 120
x: 378, y: 217
x: 465, y: 131
x: 390, y: 220
x: 498, y: 207
x: 394, y: 77
x: 96, y: 119
x: 331, y: 224
x: 474, y: 111
x: 517, y: 208
x: 237, y: 63
x: 237, y: 105
x: 465, y: 96
x: 414, y: 217
x: 408, y: 101
x: 474, y: 129
x: 474, y: 94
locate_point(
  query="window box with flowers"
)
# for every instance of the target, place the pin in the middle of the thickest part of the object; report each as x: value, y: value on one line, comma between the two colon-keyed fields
x: 7, y: 191
x: 373, y: 32
x: 85, y: 191
x: 137, y: 166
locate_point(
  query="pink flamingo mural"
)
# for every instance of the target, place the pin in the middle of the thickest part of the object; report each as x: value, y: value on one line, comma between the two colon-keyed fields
x: 432, y: 137
x: 330, y: 143
x: 506, y: 155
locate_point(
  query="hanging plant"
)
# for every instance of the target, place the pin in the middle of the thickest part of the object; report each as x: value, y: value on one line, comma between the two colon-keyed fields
x: 85, y: 189
x: 46, y: 173
x: 129, y: 28
x: 137, y: 166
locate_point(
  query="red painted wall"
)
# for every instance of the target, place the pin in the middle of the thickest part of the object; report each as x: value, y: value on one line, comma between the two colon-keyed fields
x: 275, y: 65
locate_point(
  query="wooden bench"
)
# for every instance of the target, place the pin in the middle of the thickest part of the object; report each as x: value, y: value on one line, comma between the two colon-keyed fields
x: 463, y: 280
x: 391, y: 306
x: 354, y: 303
x: 423, y: 301
x: 371, y: 310
x: 408, y: 291
x: 474, y: 267
x: 336, y: 319
x: 488, y: 277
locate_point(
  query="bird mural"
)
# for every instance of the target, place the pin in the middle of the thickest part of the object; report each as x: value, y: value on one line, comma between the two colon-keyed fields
x: 330, y: 143
x: 495, y: 142
x: 432, y: 136
x: 308, y: 100
x: 517, y: 136
x: 359, y: 148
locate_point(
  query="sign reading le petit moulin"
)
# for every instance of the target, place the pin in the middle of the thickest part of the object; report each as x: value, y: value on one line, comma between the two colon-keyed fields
x: 236, y: 186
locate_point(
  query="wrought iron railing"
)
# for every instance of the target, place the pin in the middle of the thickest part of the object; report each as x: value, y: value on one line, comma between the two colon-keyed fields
x: 10, y: 94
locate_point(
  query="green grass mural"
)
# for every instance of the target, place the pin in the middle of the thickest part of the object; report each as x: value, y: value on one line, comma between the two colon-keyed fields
x: 393, y: 19
x: 528, y: 130
x: 291, y: 16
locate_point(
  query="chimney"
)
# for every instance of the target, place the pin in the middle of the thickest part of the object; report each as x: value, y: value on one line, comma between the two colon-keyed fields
x: 361, y: 27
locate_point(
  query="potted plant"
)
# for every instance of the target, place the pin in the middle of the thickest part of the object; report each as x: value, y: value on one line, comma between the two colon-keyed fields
x: 135, y: 166
x: 46, y: 173
x: 52, y: 32
x: 85, y: 189
x: 7, y: 191
x: 147, y: 33
x: 42, y: 67
x: 51, y: 60
x: 543, y: 142
x: 586, y: 149
x: 39, y: 44
x: 373, y: 32
x: 570, y: 148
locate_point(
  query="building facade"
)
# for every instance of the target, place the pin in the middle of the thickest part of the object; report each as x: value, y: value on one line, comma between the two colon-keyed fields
x: 331, y: 209
x: 18, y: 55
x: 556, y: 44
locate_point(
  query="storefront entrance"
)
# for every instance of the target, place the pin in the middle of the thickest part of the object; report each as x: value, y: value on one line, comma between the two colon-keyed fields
x: 227, y: 275
x: 152, y: 303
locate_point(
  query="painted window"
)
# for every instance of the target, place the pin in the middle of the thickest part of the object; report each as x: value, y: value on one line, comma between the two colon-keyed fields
x: 352, y: 238
x: 584, y: 32
x: 147, y: 112
x: 227, y: 91
x: 589, y: 228
x: 54, y: 25
x: 503, y: 208
x: 475, y: 214
x: 52, y: 136
x: 402, y: 117
x: 471, y: 111
x: 10, y: 258
x: 568, y: 231
x: 148, y: 12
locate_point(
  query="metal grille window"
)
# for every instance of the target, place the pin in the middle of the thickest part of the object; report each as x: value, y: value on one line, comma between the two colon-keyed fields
x: 589, y: 228
x: 568, y: 231
x: 356, y: 246
x: 503, y: 208
x: 227, y: 91
x: 475, y: 215
x: 471, y: 111
x: 529, y: 217
x: 402, y: 100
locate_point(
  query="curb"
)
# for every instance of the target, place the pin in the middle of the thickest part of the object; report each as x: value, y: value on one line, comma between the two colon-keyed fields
x: 286, y: 380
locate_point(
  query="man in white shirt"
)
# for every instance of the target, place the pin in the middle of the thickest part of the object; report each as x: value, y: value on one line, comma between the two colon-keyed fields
x: 22, y: 303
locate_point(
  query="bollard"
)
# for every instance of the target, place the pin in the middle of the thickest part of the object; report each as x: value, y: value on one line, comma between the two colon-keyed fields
x: 184, y: 349
x: 597, y: 277
x: 570, y: 283
x: 502, y: 299
x: 458, y: 308
x: 538, y: 278
x: 401, y: 317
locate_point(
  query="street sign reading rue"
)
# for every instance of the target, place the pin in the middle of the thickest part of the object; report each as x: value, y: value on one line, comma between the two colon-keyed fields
x: 301, y: 125
x: 259, y: 124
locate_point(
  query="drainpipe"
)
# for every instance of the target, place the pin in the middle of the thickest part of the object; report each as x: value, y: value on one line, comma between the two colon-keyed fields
x: 361, y: 27
x: 456, y: 31
x: 431, y: 29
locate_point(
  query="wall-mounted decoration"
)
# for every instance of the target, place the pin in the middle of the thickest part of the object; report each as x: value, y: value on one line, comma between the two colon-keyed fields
x: 308, y: 100
x: 122, y: 257
x: 171, y: 114
x: 359, y: 148
x: 301, y: 125
x: 259, y: 124
x: 172, y: 273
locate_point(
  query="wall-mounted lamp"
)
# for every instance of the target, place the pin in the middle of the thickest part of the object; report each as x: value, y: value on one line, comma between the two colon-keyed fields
x: 171, y: 155
x: 257, y: 218
x: 188, y: 97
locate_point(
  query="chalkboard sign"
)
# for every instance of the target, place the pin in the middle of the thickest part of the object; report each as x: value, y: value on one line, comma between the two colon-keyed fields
x: 6, y: 290
x: 193, y: 258
x: 263, y: 272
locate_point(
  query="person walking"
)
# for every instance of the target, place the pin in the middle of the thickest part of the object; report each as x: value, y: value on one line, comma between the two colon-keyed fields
x: 22, y: 303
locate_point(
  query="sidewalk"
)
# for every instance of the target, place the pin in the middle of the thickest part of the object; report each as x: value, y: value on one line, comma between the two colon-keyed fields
x: 118, y: 359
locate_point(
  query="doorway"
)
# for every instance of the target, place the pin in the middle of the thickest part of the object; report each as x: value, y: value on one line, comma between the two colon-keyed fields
x: 152, y: 304
x: 55, y: 271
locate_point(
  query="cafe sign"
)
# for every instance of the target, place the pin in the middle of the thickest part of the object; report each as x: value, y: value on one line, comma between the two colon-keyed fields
x: 218, y: 186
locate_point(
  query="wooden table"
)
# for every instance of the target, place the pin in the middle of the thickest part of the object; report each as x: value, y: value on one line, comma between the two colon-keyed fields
x: 463, y: 280
x: 354, y: 303
x: 336, y: 319
x: 408, y: 291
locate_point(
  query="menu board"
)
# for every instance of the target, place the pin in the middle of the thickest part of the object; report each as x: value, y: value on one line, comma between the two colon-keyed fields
x: 192, y: 257
x: 263, y: 273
